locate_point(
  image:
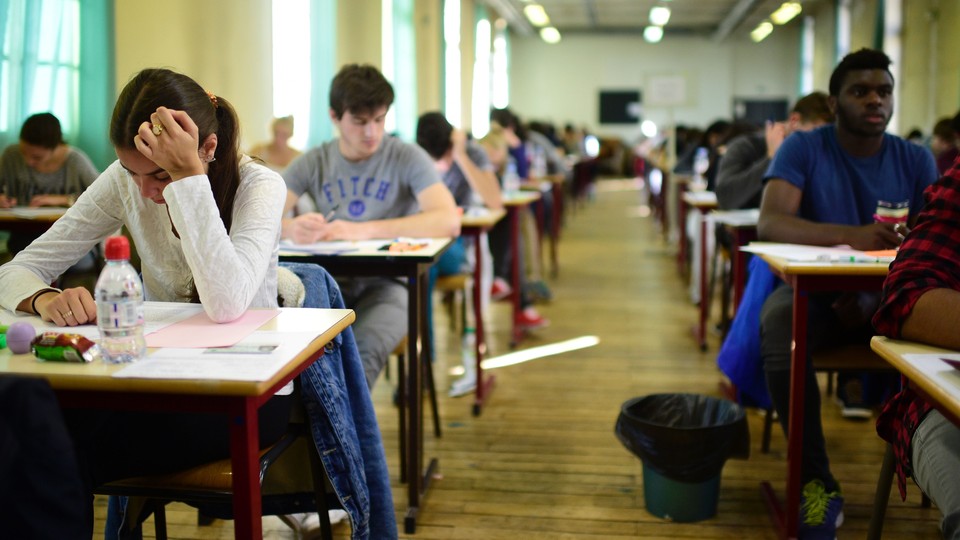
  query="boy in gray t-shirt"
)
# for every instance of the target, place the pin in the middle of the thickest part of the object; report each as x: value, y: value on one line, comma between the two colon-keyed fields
x: 370, y: 186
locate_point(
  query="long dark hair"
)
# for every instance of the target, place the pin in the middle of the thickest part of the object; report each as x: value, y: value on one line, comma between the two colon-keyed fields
x: 152, y: 88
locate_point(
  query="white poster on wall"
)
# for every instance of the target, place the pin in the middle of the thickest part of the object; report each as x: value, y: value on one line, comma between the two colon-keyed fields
x: 667, y: 91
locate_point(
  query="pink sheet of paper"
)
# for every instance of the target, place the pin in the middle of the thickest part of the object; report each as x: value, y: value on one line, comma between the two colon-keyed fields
x: 199, y: 332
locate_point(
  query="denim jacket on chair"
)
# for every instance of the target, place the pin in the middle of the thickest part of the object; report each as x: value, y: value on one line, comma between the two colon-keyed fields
x: 344, y: 425
x: 345, y: 429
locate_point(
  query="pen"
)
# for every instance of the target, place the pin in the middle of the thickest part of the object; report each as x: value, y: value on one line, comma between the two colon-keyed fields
x: 331, y: 213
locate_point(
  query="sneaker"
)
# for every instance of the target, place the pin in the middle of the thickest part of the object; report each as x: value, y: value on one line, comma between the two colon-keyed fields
x: 821, y: 512
x: 530, y: 319
x: 500, y: 289
x: 308, y: 524
x: 538, y: 291
x: 464, y: 385
x: 850, y: 397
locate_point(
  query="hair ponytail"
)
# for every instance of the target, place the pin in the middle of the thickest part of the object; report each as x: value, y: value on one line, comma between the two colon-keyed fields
x: 153, y: 88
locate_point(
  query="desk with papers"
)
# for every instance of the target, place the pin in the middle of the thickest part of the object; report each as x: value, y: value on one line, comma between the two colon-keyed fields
x: 197, y: 380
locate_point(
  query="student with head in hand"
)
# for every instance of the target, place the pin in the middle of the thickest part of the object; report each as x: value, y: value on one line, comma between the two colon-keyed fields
x: 203, y: 217
x: 747, y: 156
x: 824, y: 187
x: 206, y: 224
x: 371, y: 185
x: 469, y: 175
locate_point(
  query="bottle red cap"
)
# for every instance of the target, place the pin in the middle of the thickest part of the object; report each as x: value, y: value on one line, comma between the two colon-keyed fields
x: 118, y: 247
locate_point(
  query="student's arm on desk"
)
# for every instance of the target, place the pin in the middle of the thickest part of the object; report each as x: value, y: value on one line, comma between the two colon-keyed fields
x: 438, y: 217
x: 779, y: 222
x: 935, y: 319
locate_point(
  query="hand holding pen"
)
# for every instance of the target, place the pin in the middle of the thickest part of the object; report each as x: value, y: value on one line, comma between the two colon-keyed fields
x: 331, y: 214
x: 309, y: 228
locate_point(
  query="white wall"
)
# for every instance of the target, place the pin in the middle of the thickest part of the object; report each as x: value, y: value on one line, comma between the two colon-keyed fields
x: 225, y: 45
x: 561, y: 82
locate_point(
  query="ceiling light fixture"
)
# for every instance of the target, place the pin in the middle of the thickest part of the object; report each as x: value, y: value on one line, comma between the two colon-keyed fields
x: 659, y: 15
x: 550, y: 34
x: 785, y: 12
x: 536, y: 15
x: 653, y: 34
x: 761, y: 31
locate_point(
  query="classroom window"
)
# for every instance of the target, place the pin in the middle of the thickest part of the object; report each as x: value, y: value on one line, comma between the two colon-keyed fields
x: 843, y: 29
x: 39, y: 63
x: 806, y: 56
x: 291, y: 52
x: 399, y: 66
x: 451, y: 62
x: 500, y: 96
x: 481, y: 80
x: 304, y: 44
x: 893, y: 46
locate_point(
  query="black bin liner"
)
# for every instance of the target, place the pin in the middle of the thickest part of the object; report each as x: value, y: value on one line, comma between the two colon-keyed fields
x: 684, y: 437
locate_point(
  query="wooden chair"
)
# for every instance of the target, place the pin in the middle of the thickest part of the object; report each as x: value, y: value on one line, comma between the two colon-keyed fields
x: 857, y: 358
x: 284, y: 487
x: 455, y: 286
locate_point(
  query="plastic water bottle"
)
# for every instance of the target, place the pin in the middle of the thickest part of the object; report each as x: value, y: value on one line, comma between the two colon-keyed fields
x: 511, y: 180
x: 119, y: 294
x: 701, y: 163
x: 469, y: 348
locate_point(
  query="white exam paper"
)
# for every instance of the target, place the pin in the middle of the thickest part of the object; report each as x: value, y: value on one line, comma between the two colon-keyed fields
x: 244, y: 365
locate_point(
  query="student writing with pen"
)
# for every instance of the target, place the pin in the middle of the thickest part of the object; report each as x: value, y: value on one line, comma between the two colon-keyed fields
x: 368, y: 185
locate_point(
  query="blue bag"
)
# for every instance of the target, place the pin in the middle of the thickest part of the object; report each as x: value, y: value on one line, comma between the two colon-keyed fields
x: 739, y: 357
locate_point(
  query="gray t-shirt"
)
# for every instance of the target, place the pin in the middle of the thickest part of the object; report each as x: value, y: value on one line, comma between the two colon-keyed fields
x: 20, y: 181
x: 456, y: 181
x: 382, y: 187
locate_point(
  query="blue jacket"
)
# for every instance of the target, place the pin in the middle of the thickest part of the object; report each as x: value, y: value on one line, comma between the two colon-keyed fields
x: 338, y: 402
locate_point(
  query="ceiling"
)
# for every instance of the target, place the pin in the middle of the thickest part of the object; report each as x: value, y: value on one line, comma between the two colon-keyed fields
x: 714, y: 18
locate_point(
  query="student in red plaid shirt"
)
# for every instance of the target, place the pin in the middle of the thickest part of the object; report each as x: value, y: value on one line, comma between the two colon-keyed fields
x: 921, y: 302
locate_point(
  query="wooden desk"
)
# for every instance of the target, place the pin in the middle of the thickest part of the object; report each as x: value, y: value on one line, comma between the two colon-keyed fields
x: 805, y: 278
x: 742, y: 226
x: 413, y: 266
x: 934, y: 381
x: 704, y: 202
x: 29, y: 220
x: 474, y: 225
x: 556, y: 190
x: 93, y: 385
x: 514, y: 203
x: 931, y: 378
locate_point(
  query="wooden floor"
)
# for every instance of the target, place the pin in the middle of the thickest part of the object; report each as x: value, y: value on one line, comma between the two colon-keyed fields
x: 542, y: 461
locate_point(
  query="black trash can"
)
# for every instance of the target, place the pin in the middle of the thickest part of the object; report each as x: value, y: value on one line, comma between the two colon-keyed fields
x: 683, y: 441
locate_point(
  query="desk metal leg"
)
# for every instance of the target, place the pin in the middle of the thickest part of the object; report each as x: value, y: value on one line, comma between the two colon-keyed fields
x: 244, y: 444
x: 418, y: 482
x: 514, y: 216
x: 557, y: 190
x: 704, y: 289
x: 682, y: 229
x: 787, y: 519
x: 484, y: 384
